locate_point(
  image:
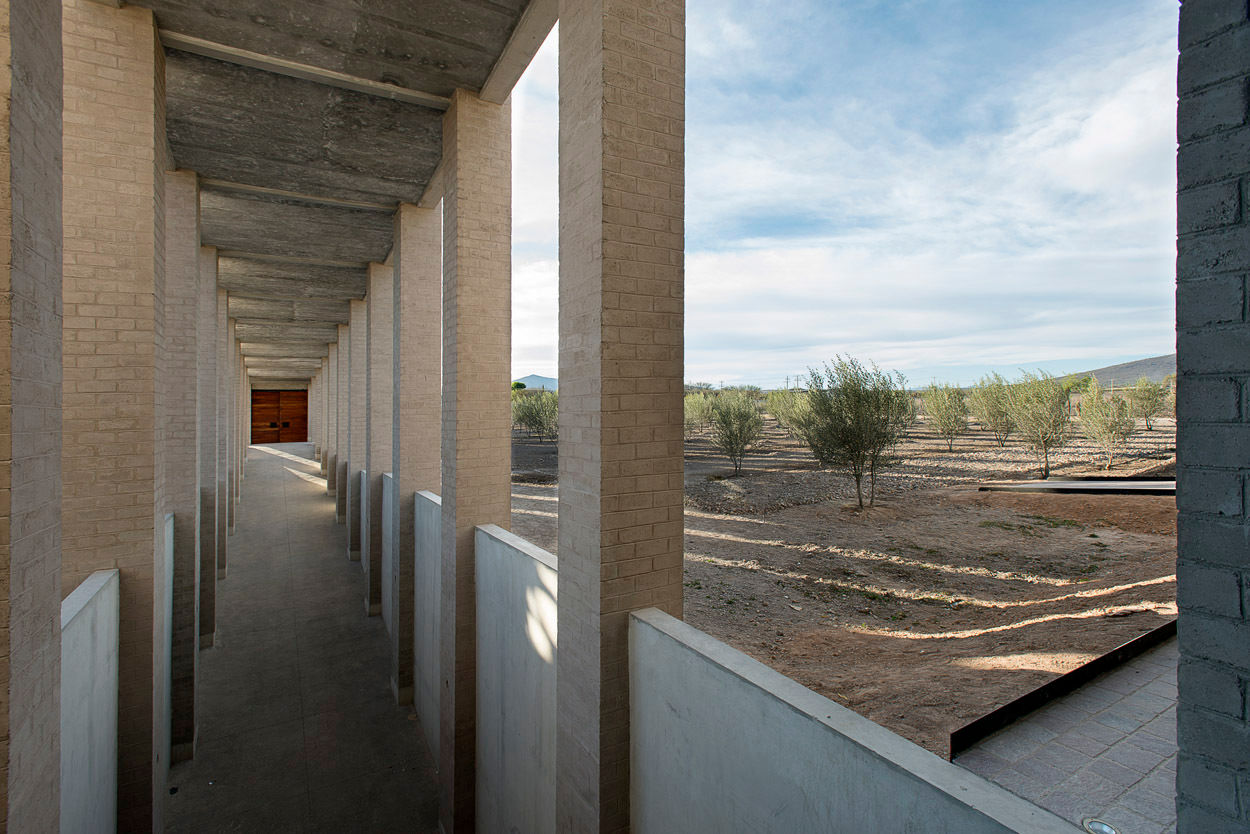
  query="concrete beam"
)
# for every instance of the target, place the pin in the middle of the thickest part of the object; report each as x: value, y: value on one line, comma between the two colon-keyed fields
x: 254, y: 330
x: 282, y: 194
x: 306, y: 72
x: 295, y: 349
x: 288, y: 230
x: 319, y: 311
x: 268, y: 278
x: 526, y: 39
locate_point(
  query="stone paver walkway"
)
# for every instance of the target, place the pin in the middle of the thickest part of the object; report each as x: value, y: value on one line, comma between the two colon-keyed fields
x: 297, y: 727
x: 1107, y: 750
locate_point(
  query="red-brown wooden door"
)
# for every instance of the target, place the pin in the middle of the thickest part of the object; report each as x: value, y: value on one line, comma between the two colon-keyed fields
x: 293, y: 416
x: 279, y: 416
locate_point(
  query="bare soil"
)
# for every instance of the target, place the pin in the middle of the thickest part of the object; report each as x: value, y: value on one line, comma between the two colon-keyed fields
x: 931, y: 608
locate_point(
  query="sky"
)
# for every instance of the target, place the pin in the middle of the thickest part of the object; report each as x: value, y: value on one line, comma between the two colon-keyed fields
x: 942, y: 187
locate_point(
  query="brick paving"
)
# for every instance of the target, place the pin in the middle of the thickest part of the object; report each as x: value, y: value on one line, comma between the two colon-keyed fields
x: 1107, y: 750
x: 298, y: 731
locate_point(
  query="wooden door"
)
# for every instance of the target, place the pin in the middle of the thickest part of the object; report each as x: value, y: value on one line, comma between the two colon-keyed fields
x: 266, y: 414
x: 293, y: 416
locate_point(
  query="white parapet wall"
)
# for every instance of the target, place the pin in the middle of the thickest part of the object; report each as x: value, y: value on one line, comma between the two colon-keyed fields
x: 516, y: 683
x: 89, y: 678
x: 388, y: 551
x: 722, y: 743
x: 427, y: 587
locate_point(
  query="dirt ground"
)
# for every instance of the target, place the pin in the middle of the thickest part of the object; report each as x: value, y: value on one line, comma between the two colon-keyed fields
x: 931, y: 608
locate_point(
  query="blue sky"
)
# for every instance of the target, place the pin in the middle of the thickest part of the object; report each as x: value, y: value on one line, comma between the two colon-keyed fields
x: 944, y: 187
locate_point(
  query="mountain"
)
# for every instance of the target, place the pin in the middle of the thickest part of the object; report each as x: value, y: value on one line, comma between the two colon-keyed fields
x: 546, y: 383
x: 1154, y: 368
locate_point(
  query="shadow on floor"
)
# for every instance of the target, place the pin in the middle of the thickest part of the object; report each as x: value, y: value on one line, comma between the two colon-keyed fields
x: 297, y: 727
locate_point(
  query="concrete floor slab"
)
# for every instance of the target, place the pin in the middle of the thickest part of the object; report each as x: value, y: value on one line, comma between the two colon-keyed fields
x: 298, y: 731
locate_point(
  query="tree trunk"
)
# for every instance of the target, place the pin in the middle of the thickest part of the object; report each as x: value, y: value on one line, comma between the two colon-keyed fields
x: 859, y: 490
x: 1045, y: 463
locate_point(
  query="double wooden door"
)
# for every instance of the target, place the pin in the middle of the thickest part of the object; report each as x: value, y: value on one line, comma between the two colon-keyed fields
x: 279, y: 416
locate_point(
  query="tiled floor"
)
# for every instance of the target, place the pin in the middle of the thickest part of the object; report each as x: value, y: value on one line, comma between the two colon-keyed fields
x: 1107, y: 750
x: 297, y: 727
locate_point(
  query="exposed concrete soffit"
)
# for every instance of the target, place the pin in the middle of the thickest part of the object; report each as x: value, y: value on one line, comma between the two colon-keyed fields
x: 278, y: 193
x: 305, y: 72
x: 433, y: 189
x: 285, y: 259
x: 526, y: 39
x: 306, y: 350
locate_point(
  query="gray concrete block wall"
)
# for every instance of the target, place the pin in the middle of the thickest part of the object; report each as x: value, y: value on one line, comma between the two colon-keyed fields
x: 89, y: 685
x: 720, y: 742
x: 516, y: 684
x: 30, y: 414
x: 1213, y: 360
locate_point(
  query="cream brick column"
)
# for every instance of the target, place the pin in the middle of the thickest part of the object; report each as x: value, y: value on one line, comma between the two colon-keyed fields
x: 379, y: 349
x: 417, y: 288
x: 244, y: 416
x: 177, y: 378
x: 30, y: 413
x: 222, y: 343
x: 322, y: 399
x: 232, y: 410
x: 314, y: 415
x: 357, y: 420
x: 114, y: 160
x: 206, y: 411
x: 332, y: 420
x: 343, y: 423
x: 477, y: 416
x: 621, y: 283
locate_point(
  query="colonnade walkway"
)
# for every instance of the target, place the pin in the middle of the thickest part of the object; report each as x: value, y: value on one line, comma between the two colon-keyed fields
x: 298, y: 730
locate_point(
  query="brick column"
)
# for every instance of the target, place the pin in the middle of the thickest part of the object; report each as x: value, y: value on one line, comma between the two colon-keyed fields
x: 417, y: 288
x: 332, y: 421
x: 114, y: 159
x: 621, y: 277
x: 30, y: 410
x: 206, y: 409
x: 378, y: 425
x: 358, y: 416
x: 1213, y: 410
x: 477, y: 419
x: 322, y: 399
x: 178, y: 381
x: 343, y: 423
x: 314, y: 415
x: 232, y: 411
x: 244, y: 416
x: 222, y: 344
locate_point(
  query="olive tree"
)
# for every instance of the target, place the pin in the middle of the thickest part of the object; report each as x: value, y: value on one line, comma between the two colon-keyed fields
x: 736, y: 425
x: 856, y: 417
x: 988, y: 402
x: 1106, y: 421
x: 789, y: 407
x: 537, y: 412
x: 947, y: 410
x: 698, y: 412
x: 1039, y: 408
x: 1147, y: 400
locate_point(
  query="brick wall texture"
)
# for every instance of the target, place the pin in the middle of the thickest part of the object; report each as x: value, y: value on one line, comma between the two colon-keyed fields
x: 342, y: 421
x: 477, y: 414
x: 1213, y: 408
x: 622, y: 82
x: 114, y: 159
x: 332, y: 419
x: 30, y: 414
x: 206, y: 418
x: 177, y: 379
x: 416, y: 356
x: 380, y: 345
x: 221, y: 345
x: 358, y: 416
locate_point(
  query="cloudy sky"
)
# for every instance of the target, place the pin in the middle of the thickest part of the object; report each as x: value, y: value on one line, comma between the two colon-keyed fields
x: 945, y: 187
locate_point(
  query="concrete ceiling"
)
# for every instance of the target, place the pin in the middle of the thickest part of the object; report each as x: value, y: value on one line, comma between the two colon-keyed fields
x: 308, y: 123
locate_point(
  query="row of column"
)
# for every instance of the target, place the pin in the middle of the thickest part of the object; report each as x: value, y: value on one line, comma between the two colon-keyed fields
x: 154, y: 410
x: 418, y: 384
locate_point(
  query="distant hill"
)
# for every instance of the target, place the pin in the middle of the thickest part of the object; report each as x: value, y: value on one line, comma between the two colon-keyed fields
x: 546, y: 383
x: 1155, y: 369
